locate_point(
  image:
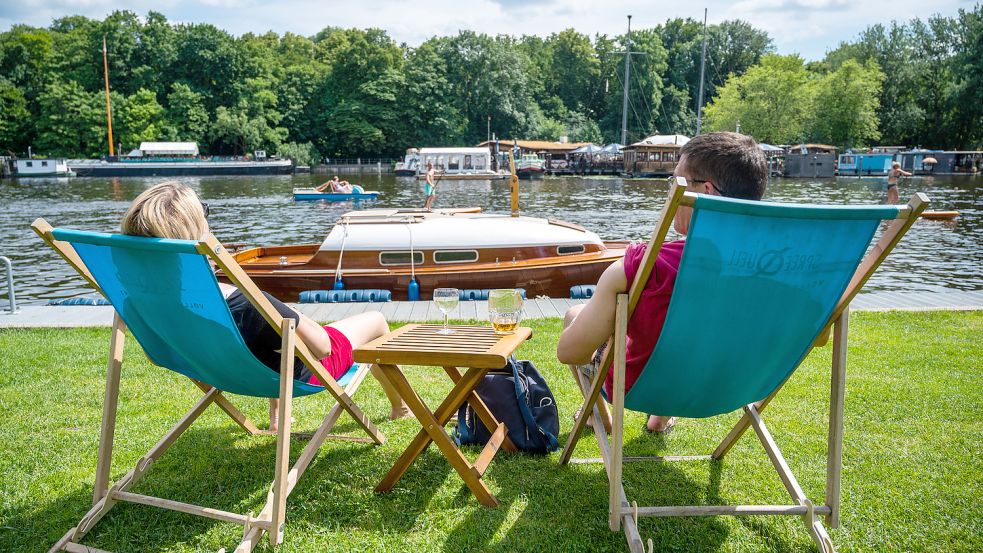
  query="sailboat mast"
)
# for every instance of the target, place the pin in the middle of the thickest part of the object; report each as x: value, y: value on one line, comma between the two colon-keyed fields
x: 703, y: 65
x: 109, y: 112
x: 624, y: 104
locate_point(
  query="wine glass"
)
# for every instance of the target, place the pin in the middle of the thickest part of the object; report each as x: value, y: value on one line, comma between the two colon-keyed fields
x: 446, y: 300
x: 504, y: 310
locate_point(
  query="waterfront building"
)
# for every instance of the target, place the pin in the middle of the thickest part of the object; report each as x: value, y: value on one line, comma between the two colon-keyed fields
x: 655, y: 156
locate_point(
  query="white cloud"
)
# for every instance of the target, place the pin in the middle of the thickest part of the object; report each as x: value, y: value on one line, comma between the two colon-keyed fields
x: 809, y: 27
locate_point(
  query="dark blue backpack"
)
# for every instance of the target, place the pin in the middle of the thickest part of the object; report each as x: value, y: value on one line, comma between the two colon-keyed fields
x: 520, y: 399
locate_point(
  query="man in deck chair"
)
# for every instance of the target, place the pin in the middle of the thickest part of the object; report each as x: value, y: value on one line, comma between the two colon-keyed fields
x: 720, y: 163
x: 756, y: 288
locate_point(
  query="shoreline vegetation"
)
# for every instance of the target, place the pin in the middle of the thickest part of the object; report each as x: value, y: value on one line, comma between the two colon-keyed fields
x: 910, y: 483
x: 357, y: 93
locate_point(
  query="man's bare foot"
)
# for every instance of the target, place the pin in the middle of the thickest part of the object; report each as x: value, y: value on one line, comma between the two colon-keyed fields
x: 399, y: 412
x: 660, y: 425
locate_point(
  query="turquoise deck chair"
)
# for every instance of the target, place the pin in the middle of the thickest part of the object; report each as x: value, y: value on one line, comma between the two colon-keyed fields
x: 166, y: 293
x: 759, y: 285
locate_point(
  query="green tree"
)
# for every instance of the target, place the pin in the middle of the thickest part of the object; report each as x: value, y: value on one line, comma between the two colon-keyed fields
x: 301, y: 154
x: 644, y: 90
x: 138, y: 118
x: 574, y: 69
x: 848, y: 99
x: 773, y: 101
x: 486, y: 79
x: 428, y: 114
x: 186, y: 116
x: 14, y: 117
x: 967, y: 71
x: 72, y: 122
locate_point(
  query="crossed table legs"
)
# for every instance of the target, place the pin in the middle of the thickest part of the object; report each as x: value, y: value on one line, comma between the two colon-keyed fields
x: 433, y: 430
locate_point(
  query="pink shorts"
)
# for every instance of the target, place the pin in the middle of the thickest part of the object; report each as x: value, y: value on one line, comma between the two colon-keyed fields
x: 340, y: 360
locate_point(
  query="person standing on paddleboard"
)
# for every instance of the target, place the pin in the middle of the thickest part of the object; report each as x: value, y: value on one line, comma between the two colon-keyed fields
x: 892, y: 182
x: 430, y: 187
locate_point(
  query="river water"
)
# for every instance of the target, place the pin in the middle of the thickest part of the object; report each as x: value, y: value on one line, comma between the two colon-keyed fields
x: 259, y: 210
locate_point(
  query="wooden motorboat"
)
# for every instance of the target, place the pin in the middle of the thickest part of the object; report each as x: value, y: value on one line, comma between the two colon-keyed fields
x: 458, y: 248
x: 311, y: 194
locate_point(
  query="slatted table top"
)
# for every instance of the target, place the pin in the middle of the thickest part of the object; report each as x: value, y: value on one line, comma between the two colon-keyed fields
x: 419, y: 344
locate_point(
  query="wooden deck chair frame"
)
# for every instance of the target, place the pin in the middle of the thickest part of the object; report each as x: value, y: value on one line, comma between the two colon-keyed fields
x: 620, y: 511
x: 271, y: 517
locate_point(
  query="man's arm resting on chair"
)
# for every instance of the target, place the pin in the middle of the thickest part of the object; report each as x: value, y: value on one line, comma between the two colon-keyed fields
x: 595, y: 323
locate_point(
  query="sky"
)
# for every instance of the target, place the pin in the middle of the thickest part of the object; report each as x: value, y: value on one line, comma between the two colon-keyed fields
x: 807, y: 27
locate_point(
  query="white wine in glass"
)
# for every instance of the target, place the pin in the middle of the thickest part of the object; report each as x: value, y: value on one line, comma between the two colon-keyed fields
x: 446, y: 300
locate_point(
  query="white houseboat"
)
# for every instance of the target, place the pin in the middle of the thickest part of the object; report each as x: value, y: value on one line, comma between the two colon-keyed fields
x: 459, y: 164
x: 38, y: 167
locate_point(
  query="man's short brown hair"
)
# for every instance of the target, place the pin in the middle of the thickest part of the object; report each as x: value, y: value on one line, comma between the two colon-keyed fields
x: 731, y: 161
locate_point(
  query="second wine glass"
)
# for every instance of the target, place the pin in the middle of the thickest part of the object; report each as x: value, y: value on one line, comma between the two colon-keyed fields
x: 446, y: 300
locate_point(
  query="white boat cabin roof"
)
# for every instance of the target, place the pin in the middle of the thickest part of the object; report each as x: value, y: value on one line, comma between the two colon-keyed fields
x: 438, y: 151
x: 169, y: 148
x: 392, y: 229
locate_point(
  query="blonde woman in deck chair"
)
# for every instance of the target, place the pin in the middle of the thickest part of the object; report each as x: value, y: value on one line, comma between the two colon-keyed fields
x: 721, y: 164
x: 173, y: 210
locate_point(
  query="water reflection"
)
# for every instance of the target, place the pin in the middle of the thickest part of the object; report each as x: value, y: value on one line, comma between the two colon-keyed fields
x: 934, y: 256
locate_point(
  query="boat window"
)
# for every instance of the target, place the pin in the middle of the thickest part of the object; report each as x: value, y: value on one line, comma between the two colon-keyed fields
x: 30, y: 164
x: 569, y: 250
x: 455, y: 256
x: 454, y: 163
x: 670, y: 156
x: 847, y: 160
x: 44, y: 164
x: 479, y: 163
x: 655, y: 156
x: 467, y: 162
x: 400, y: 258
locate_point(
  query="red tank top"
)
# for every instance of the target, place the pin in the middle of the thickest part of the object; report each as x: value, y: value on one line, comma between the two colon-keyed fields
x: 646, y: 321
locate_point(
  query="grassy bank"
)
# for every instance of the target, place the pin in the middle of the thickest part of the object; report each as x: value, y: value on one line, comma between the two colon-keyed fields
x: 912, y: 458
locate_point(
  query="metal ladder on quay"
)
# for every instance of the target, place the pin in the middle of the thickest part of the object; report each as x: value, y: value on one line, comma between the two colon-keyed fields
x: 10, y: 284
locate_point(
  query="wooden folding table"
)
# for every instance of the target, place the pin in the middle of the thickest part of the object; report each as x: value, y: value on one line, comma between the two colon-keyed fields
x: 476, y: 348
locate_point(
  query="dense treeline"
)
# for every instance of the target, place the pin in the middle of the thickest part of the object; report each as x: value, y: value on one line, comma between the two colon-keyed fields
x: 918, y: 83
x: 348, y: 92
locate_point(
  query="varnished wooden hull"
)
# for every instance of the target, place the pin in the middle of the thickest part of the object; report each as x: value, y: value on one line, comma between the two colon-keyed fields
x: 551, y: 278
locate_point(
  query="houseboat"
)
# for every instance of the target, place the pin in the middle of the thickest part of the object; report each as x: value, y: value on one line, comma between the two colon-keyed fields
x: 859, y: 164
x: 42, y: 167
x: 810, y: 161
x: 176, y: 159
x: 410, y: 164
x: 529, y: 166
x: 656, y: 156
x: 459, y: 164
x: 459, y: 248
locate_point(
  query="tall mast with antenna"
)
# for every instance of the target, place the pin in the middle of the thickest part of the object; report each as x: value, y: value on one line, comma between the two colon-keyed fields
x: 703, y: 65
x: 109, y: 112
x: 624, y: 103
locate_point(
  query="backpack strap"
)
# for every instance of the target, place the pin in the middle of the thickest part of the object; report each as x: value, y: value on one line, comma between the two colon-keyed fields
x: 520, y: 395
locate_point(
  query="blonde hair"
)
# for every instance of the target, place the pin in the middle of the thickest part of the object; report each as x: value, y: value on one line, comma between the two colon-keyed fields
x: 167, y: 210
x: 895, y: 165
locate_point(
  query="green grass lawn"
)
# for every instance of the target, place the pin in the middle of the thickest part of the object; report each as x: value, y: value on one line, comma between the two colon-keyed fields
x: 912, y: 475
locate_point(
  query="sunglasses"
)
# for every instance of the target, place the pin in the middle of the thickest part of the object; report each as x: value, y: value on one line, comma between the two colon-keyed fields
x: 671, y: 179
x: 204, y: 207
